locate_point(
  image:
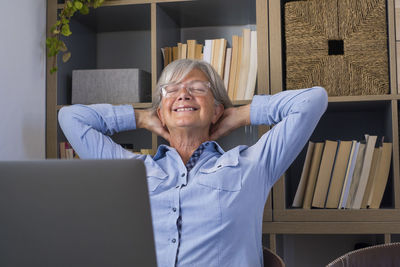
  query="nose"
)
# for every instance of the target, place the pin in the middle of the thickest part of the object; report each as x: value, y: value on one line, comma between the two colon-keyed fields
x: 184, y: 94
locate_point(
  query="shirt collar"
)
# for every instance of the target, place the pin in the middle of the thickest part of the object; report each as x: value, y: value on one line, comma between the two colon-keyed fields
x: 209, y: 146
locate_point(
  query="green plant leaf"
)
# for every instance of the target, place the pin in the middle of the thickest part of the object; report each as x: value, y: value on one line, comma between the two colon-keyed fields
x: 61, y: 46
x: 78, y: 5
x: 66, y: 56
x: 53, y: 69
x: 65, y: 30
x: 85, y: 10
x: 97, y: 3
x: 69, y: 4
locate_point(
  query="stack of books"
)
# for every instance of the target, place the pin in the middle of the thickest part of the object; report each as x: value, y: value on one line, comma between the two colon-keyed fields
x: 67, y: 152
x: 237, y: 65
x: 344, y: 174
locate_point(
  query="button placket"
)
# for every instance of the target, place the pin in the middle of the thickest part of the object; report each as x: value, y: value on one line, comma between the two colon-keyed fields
x: 175, y: 211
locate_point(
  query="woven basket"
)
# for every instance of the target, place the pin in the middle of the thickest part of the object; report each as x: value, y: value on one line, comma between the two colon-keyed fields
x: 338, y: 44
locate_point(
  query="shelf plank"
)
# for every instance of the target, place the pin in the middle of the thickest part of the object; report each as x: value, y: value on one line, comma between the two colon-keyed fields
x: 334, y: 215
x: 331, y: 228
x: 130, y: 2
x: 361, y: 98
x: 241, y: 102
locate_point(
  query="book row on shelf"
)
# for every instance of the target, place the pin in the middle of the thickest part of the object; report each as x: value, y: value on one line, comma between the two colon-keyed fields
x: 344, y: 174
x: 237, y: 65
x: 67, y: 152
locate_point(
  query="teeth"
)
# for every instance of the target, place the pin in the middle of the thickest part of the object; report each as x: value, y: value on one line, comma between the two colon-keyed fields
x: 184, y: 109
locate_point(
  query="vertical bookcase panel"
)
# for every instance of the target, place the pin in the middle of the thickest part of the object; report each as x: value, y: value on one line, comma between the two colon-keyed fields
x: 51, y: 89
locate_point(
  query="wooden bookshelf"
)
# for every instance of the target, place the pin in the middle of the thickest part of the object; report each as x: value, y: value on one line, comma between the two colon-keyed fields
x: 159, y: 23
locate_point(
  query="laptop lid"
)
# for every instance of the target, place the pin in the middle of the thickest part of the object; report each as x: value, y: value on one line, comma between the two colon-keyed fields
x: 75, y: 213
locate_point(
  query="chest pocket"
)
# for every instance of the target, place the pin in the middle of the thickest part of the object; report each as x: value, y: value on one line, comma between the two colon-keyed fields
x: 155, y: 175
x: 225, y: 174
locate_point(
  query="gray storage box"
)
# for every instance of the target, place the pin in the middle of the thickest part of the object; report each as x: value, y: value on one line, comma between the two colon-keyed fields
x: 114, y: 86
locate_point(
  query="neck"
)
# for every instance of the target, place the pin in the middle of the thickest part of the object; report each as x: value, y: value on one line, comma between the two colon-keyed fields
x: 186, y: 142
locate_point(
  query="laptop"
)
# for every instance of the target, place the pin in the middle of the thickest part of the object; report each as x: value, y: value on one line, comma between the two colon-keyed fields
x: 75, y: 213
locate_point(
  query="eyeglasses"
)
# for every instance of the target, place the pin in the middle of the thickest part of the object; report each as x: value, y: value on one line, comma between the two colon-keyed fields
x: 194, y: 88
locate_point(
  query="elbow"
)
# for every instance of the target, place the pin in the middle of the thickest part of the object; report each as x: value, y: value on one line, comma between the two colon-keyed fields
x: 65, y: 114
x: 320, y: 97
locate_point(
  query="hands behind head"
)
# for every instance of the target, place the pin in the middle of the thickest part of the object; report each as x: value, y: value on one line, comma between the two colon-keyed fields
x: 148, y: 119
x: 231, y: 119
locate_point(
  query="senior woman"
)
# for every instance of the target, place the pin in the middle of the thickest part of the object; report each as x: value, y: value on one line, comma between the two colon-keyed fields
x: 207, y: 204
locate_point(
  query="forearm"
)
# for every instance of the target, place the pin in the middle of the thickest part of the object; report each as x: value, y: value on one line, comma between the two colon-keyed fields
x: 294, y: 115
x: 141, y: 117
x: 87, y: 127
x: 243, y: 115
x: 272, y: 109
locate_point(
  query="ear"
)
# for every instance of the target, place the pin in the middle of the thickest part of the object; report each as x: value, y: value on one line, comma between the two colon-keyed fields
x: 218, y: 111
x: 160, y: 116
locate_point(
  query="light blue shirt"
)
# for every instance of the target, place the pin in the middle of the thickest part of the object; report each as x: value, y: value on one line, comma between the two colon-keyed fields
x: 221, y: 200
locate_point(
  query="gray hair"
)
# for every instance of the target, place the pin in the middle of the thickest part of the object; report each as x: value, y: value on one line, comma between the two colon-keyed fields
x: 177, y: 71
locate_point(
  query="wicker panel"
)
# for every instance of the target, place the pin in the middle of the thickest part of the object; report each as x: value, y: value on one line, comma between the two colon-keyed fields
x: 358, y: 65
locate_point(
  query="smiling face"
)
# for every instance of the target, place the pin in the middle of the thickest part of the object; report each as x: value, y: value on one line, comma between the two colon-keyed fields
x: 189, y: 111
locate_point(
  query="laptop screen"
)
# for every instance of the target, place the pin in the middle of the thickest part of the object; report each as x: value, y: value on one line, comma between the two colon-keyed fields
x: 75, y: 213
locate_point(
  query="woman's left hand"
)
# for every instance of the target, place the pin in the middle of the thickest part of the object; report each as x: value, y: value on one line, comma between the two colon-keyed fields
x: 231, y: 119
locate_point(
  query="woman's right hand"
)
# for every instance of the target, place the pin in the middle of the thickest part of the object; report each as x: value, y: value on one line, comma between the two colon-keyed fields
x: 148, y: 119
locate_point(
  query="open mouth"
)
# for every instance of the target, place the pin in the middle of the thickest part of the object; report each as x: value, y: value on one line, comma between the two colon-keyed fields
x: 185, y: 109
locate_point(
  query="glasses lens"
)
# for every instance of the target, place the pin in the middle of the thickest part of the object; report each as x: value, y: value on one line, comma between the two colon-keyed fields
x: 170, y: 90
x: 195, y: 88
x: 198, y: 88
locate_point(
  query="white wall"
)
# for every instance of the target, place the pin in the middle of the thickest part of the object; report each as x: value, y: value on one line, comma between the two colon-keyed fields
x: 22, y: 79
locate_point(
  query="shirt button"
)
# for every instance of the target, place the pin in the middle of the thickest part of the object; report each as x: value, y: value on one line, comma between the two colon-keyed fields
x: 177, y: 186
x: 174, y: 209
x: 182, y: 174
x: 219, y: 166
x: 173, y: 240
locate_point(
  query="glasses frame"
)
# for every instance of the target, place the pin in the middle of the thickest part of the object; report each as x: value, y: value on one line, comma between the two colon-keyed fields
x: 183, y: 85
